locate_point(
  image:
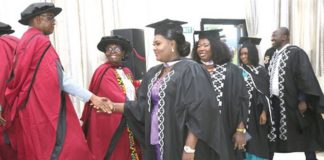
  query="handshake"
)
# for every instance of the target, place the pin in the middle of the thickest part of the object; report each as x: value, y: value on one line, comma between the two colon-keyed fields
x: 102, y: 104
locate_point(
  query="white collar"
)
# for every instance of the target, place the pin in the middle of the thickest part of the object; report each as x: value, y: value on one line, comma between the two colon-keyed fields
x: 283, y: 48
x: 170, y: 64
x: 210, y: 62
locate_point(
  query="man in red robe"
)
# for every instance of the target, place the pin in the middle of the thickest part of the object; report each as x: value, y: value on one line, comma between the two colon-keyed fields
x: 40, y: 108
x: 8, y: 44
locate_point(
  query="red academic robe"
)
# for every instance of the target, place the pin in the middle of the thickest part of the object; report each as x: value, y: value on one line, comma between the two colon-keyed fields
x: 7, y: 48
x: 48, y: 108
x: 101, y: 127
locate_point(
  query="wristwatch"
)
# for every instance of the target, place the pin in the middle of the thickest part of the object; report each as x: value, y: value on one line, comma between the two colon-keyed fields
x: 188, y: 149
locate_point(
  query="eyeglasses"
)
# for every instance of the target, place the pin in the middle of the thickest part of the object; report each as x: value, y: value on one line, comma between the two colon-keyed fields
x: 48, y: 17
x: 116, y: 49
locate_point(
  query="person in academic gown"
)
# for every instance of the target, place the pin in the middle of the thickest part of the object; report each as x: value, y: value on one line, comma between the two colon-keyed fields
x: 114, y: 81
x: 229, y: 86
x: 268, y: 56
x: 257, y: 82
x: 8, y: 44
x: 297, y: 99
x: 46, y: 124
x: 175, y: 110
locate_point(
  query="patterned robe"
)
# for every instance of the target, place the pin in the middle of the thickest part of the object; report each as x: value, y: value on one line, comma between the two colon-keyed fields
x: 296, y: 132
x: 232, y: 97
x: 257, y: 82
x: 186, y: 103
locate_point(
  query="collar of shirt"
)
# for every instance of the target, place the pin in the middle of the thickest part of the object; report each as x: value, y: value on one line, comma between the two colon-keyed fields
x: 211, y: 62
x: 170, y: 64
x: 283, y: 48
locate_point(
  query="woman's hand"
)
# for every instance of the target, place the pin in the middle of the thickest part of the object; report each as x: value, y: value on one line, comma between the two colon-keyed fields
x: 189, y: 148
x: 263, y: 118
x: 239, y: 140
x: 102, y: 104
x: 188, y: 156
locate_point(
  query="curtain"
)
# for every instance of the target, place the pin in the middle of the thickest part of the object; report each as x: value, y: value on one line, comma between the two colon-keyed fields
x: 318, y: 58
x: 307, y: 30
x: 252, y: 17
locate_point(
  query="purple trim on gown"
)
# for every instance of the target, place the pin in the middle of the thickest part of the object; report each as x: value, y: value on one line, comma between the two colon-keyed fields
x: 154, y: 138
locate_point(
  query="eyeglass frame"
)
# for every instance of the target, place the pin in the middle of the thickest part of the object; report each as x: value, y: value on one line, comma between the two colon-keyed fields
x: 114, y: 49
x: 48, y: 17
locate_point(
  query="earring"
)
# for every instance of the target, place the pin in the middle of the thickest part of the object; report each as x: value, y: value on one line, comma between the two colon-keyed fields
x: 172, y: 50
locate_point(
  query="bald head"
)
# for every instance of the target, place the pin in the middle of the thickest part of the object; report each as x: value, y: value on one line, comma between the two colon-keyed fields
x: 280, y: 37
x: 284, y: 31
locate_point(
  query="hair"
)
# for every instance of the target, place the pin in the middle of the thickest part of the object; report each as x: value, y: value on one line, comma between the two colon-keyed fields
x: 220, y: 52
x: 253, y: 54
x: 183, y: 47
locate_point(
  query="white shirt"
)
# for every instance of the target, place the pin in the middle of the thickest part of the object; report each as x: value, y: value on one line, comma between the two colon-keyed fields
x: 275, y: 80
x: 71, y: 87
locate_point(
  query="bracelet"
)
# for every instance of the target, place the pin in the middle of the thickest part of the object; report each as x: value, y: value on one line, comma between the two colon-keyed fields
x: 241, y: 130
x: 188, y: 149
x: 0, y: 108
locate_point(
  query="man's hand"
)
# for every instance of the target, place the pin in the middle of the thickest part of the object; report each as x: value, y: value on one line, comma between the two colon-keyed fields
x: 2, y: 120
x: 263, y: 118
x: 102, y: 104
x: 302, y: 107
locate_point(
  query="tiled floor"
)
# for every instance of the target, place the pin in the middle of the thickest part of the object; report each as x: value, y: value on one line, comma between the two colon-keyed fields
x: 295, y: 156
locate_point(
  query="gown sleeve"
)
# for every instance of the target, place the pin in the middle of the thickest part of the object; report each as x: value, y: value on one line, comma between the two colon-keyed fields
x: 201, y: 110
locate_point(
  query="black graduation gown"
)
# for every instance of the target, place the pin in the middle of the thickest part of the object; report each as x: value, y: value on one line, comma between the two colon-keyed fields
x: 259, y: 89
x: 304, y: 133
x: 234, y: 105
x: 188, y: 104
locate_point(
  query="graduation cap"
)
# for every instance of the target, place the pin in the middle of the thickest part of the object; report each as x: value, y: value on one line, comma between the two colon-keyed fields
x: 250, y: 43
x: 249, y: 40
x: 167, y: 27
x: 5, y: 29
x: 208, y: 34
x: 36, y: 9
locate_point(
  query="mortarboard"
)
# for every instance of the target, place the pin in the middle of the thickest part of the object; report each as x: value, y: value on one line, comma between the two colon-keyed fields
x: 36, y: 9
x: 5, y: 29
x: 167, y: 26
x: 249, y: 40
x: 208, y: 34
